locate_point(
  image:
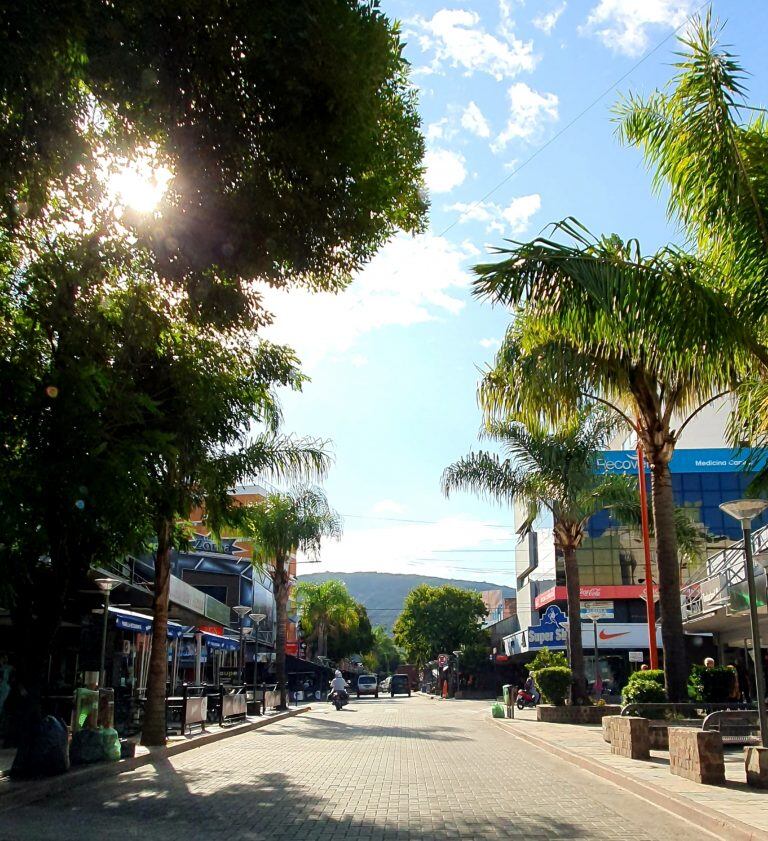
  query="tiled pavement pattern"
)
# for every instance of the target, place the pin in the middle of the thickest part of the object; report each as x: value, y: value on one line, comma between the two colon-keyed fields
x: 735, y: 798
x: 386, y: 770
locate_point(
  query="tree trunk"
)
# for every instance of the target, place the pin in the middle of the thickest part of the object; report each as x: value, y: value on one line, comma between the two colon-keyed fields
x: 322, y: 640
x: 280, y: 591
x: 153, y: 731
x: 673, y: 641
x: 575, y: 649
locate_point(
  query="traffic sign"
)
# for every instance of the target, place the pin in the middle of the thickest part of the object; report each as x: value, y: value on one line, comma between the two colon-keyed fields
x: 636, y: 656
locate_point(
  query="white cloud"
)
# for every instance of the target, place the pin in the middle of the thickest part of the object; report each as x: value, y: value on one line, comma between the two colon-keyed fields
x: 401, y: 548
x: 514, y: 218
x: 359, y: 360
x: 473, y: 120
x: 412, y: 280
x: 622, y: 25
x: 445, y: 170
x: 456, y: 37
x: 528, y: 111
x: 548, y: 21
x: 490, y: 343
x: 387, y: 506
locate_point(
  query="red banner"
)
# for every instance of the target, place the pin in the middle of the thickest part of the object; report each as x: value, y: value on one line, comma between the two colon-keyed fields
x: 597, y: 593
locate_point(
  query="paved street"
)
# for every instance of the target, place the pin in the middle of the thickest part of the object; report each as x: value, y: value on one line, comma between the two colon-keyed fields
x: 391, y: 770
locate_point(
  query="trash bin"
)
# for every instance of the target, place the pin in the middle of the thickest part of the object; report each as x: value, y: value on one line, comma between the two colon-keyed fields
x: 507, y: 692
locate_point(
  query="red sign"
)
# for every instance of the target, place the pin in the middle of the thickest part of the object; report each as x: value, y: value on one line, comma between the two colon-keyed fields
x: 211, y: 629
x: 597, y: 593
x: 292, y: 648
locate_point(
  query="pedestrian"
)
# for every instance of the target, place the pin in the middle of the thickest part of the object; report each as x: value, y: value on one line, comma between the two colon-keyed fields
x: 735, y: 691
x: 644, y: 667
x: 709, y: 663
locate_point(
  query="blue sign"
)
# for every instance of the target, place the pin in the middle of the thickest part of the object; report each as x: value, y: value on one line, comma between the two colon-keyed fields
x: 714, y: 460
x: 551, y: 632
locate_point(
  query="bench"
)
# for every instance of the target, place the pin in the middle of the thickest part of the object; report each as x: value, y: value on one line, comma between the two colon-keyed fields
x: 736, y: 727
x: 187, y: 711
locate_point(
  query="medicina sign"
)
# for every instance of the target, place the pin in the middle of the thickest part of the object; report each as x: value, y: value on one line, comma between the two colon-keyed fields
x: 714, y: 460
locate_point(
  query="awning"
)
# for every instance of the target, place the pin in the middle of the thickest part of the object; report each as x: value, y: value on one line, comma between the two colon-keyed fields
x: 127, y: 620
x: 220, y: 643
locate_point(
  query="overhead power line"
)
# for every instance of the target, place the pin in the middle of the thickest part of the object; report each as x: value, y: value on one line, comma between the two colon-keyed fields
x: 572, y: 122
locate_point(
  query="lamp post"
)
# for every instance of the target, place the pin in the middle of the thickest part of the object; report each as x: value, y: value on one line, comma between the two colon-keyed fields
x: 240, y: 610
x: 745, y: 510
x: 650, y: 611
x: 256, y: 618
x: 106, y: 585
x: 457, y: 654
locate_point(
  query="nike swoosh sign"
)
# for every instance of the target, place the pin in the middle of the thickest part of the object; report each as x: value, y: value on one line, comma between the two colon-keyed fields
x: 604, y: 635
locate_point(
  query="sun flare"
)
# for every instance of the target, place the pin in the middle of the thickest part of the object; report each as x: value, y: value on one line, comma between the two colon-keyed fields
x: 138, y: 185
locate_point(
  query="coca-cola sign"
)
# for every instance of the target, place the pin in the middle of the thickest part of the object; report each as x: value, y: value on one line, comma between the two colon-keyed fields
x: 606, y: 592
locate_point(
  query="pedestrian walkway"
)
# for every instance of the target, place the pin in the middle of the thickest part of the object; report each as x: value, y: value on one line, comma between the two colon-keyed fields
x: 380, y: 770
x: 733, y: 802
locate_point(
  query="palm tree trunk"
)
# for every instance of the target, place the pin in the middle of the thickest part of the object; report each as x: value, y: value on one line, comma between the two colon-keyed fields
x: 575, y: 650
x: 280, y: 592
x: 153, y: 731
x: 322, y: 640
x: 673, y: 641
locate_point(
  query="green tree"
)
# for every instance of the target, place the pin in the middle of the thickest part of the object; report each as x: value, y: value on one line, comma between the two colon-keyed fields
x: 708, y: 151
x: 292, y: 129
x: 325, y: 608
x: 204, y: 396
x: 595, y: 319
x: 354, y: 639
x: 281, y: 525
x: 552, y: 470
x: 438, y: 620
x: 386, y: 653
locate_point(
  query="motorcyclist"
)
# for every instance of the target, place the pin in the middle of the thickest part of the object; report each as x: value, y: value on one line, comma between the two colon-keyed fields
x: 338, y: 684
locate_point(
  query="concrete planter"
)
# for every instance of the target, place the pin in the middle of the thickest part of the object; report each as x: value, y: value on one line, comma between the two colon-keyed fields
x: 575, y: 715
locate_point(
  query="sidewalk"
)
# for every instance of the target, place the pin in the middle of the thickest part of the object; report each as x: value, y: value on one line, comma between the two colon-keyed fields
x: 16, y: 792
x: 733, y: 811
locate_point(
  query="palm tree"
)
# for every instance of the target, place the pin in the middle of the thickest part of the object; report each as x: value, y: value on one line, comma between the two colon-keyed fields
x: 553, y: 470
x: 647, y: 336
x: 324, y: 607
x: 280, y: 525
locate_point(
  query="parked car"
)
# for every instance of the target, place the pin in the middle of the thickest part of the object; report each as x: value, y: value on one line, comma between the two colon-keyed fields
x: 400, y: 685
x: 367, y: 685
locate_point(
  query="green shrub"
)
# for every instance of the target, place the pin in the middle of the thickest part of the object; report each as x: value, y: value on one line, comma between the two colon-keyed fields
x: 554, y: 683
x: 643, y: 691
x: 710, y: 685
x: 545, y: 658
x: 649, y: 674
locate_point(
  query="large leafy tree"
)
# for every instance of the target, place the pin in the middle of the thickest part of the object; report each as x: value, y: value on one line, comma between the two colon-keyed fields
x: 356, y: 638
x: 292, y: 128
x: 647, y: 336
x: 708, y: 150
x: 279, y: 526
x: 555, y: 471
x: 438, y: 620
x: 385, y: 655
x: 325, y: 608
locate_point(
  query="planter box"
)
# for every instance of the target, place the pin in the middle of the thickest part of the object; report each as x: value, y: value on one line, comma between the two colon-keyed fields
x: 630, y: 737
x: 697, y: 755
x: 587, y: 714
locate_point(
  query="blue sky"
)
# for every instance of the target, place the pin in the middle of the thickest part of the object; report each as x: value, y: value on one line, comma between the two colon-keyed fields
x: 394, y: 360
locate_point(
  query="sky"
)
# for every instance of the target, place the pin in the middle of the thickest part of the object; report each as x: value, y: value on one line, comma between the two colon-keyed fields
x: 505, y: 89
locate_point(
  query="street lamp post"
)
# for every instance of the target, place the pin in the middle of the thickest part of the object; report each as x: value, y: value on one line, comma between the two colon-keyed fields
x: 458, y: 673
x: 745, y: 510
x: 256, y: 618
x: 240, y: 610
x: 653, y: 652
x: 106, y: 585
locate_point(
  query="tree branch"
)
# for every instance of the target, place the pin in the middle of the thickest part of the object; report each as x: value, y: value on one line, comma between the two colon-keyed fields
x: 696, y: 412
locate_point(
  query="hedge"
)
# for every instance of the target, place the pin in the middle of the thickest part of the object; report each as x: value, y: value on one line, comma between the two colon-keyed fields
x: 554, y: 683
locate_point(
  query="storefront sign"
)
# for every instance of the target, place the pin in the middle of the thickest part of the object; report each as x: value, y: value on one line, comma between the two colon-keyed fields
x: 550, y: 632
x: 596, y: 610
x: 636, y: 656
x: 714, y: 460
x: 597, y: 593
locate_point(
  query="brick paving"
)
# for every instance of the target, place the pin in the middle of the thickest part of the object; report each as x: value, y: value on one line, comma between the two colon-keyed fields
x: 386, y: 770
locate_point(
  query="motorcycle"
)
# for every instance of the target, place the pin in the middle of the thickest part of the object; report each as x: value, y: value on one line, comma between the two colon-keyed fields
x: 339, y: 698
x: 525, y: 699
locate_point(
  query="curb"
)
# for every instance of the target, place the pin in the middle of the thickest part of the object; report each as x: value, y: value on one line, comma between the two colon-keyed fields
x: 724, y: 826
x: 22, y: 792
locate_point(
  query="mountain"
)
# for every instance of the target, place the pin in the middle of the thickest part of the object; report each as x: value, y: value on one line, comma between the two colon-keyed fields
x: 383, y: 593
